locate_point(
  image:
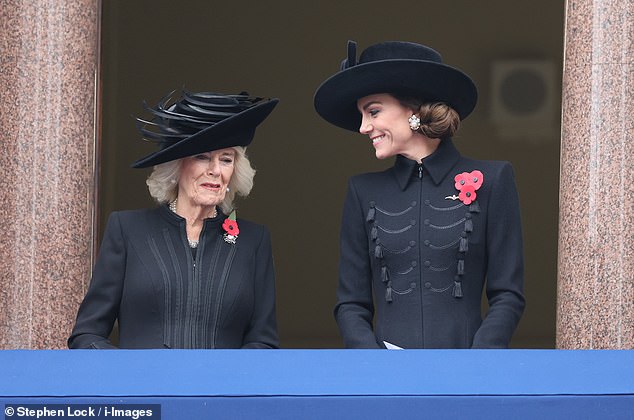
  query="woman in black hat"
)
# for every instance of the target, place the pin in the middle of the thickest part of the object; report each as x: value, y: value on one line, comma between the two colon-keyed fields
x: 423, y: 239
x: 187, y: 274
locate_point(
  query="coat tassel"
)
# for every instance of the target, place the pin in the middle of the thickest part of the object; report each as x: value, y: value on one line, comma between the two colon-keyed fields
x: 468, y: 225
x: 371, y: 214
x: 457, y: 289
x: 474, y: 207
x: 464, y: 245
x: 460, y: 267
x: 385, y: 275
x: 374, y: 233
x: 388, y: 292
x: 378, y: 251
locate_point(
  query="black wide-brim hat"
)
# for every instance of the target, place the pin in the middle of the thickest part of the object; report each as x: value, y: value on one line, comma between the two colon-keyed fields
x: 395, y: 67
x: 201, y: 122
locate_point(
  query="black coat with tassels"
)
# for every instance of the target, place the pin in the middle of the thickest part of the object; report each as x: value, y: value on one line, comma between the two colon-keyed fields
x: 415, y: 259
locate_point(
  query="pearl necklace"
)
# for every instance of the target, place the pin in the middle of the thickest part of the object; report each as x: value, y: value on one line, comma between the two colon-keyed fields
x: 192, y: 243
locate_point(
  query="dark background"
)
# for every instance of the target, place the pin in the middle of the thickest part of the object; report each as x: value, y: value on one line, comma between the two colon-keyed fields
x: 286, y: 49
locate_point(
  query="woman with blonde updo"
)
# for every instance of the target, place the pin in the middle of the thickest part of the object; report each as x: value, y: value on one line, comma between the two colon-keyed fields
x: 421, y: 241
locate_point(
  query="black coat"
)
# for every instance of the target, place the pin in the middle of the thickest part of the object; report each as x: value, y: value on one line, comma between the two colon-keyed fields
x: 414, y: 262
x: 163, y: 297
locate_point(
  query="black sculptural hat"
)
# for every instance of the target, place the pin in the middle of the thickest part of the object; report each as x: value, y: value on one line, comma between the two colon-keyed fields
x: 201, y: 122
x: 402, y: 68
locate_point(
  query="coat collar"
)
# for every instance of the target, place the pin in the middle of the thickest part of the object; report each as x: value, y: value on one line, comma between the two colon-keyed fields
x: 437, y: 165
x: 177, y: 220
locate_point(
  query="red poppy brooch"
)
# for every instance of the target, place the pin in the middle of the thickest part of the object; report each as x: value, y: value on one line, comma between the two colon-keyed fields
x: 230, y: 227
x: 467, y: 183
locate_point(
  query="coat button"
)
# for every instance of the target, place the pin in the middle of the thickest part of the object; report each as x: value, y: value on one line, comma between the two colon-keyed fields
x: 426, y: 222
x: 414, y: 263
x: 412, y: 285
x: 427, y: 263
x: 427, y: 242
x: 412, y: 243
x: 427, y: 202
x: 412, y: 222
x: 427, y: 285
x: 413, y: 203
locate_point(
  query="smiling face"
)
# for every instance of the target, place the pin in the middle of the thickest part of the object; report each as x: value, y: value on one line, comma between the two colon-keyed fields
x: 385, y: 120
x: 204, y: 178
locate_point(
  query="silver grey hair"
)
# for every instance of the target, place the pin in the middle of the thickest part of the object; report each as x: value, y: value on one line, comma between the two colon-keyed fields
x: 163, y: 181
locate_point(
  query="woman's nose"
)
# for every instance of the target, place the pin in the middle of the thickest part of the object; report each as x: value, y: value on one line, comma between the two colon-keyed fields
x: 214, y: 167
x: 365, y: 127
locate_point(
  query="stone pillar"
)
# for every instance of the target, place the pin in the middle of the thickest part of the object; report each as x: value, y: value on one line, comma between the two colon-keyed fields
x: 48, y: 97
x: 595, y: 302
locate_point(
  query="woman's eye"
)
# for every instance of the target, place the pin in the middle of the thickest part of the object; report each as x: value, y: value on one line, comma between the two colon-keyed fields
x: 373, y: 112
x: 227, y: 160
x: 200, y: 157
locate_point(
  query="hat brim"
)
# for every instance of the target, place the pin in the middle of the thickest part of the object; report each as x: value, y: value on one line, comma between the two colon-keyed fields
x: 237, y: 130
x: 336, y: 99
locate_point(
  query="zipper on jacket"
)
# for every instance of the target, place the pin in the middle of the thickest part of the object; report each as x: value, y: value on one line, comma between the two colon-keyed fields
x: 193, y: 290
x: 201, y: 238
x: 420, y: 257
